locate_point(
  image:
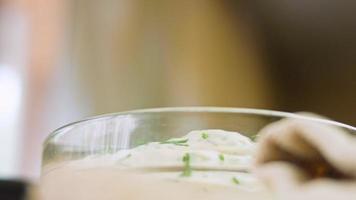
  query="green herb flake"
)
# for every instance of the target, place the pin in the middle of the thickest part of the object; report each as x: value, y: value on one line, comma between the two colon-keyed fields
x: 204, y: 136
x: 182, y: 142
x: 235, y: 180
x: 221, y: 157
x: 254, y: 138
x: 187, y: 171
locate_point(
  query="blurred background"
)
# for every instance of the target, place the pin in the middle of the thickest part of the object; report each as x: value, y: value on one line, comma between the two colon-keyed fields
x: 63, y: 60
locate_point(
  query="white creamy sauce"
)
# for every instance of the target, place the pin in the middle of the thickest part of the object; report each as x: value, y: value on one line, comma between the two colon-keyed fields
x: 215, y: 157
x: 204, y: 164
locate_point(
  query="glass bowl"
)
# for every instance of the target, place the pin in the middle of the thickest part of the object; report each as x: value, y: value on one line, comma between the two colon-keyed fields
x: 107, y: 134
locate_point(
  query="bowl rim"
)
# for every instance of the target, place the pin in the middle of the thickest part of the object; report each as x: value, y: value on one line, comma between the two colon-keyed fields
x: 201, y: 109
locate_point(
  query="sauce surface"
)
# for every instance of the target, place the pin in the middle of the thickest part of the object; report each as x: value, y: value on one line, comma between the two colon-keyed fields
x: 204, y: 164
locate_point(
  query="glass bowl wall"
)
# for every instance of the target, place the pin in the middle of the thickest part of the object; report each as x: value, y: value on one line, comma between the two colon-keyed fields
x: 108, y: 133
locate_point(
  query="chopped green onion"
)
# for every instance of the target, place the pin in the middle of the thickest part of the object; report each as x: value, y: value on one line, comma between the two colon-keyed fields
x: 187, y: 171
x: 235, y: 180
x: 182, y: 142
x: 204, y: 136
x: 221, y: 157
x: 254, y: 138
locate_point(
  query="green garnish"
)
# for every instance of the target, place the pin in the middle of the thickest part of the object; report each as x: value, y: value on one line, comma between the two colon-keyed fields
x: 235, y: 180
x: 254, y: 138
x: 221, y: 157
x: 187, y: 171
x: 204, y: 136
x: 182, y: 142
